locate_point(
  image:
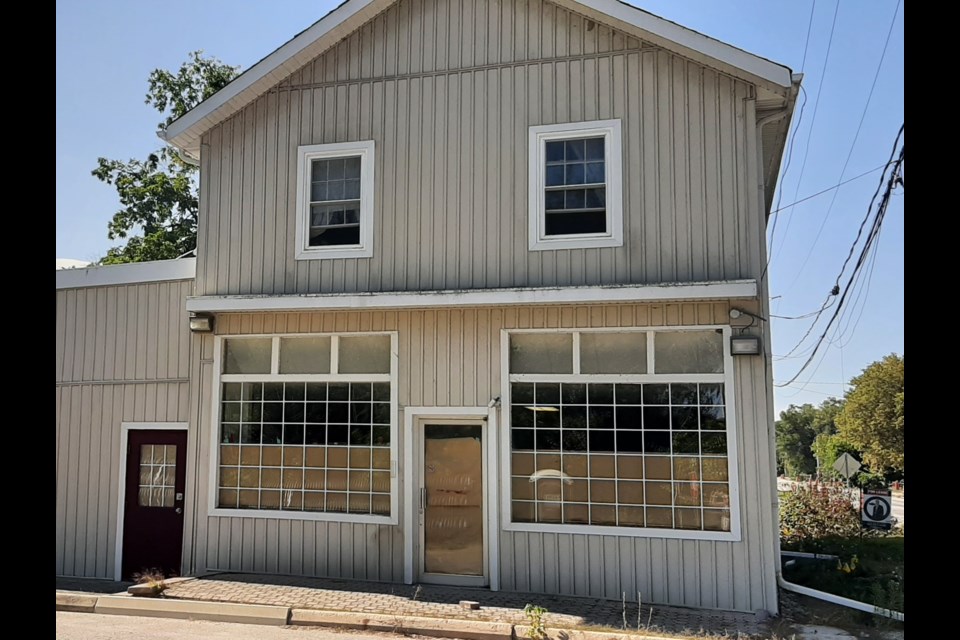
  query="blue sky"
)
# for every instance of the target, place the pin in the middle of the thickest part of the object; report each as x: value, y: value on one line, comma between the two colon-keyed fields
x: 107, y: 48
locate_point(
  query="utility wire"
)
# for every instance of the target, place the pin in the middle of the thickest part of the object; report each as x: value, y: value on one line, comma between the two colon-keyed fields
x: 871, y: 238
x: 816, y: 103
x: 853, y: 144
x: 829, y: 189
x: 836, y: 287
x: 793, y: 138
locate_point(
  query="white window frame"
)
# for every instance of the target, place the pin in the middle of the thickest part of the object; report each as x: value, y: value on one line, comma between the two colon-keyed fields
x: 730, y: 404
x: 366, y: 151
x: 274, y: 376
x: 613, y: 168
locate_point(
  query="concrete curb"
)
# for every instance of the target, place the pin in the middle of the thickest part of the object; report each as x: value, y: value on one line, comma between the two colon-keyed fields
x: 76, y: 602
x: 279, y: 616
x: 193, y: 610
x: 432, y: 627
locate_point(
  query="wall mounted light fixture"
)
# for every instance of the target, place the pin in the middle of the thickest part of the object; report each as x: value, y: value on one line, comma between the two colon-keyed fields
x: 201, y: 323
x: 743, y: 345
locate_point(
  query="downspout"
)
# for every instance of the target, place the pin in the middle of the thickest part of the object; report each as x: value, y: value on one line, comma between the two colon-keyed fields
x: 829, y: 597
x: 781, y: 581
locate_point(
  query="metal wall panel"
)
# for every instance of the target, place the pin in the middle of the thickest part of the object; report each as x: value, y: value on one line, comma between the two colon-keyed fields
x: 123, y: 354
x: 448, y: 91
x: 451, y: 357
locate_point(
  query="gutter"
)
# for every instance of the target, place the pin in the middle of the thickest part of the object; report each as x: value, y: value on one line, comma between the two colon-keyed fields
x: 183, y: 155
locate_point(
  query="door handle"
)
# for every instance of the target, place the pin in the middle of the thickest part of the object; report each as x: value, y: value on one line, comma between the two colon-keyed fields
x: 179, y: 510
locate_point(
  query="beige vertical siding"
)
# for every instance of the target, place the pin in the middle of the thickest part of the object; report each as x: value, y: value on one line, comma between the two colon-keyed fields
x: 123, y: 355
x: 452, y: 358
x: 448, y: 91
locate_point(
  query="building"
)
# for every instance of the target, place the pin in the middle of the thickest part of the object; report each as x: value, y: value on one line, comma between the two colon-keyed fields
x: 467, y: 282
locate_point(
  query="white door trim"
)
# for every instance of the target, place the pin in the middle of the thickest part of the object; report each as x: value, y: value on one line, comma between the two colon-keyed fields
x: 125, y: 428
x: 411, y: 442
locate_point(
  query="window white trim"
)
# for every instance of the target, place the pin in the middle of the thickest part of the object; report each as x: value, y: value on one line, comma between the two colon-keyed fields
x: 613, y: 160
x: 365, y: 150
x: 213, y: 479
x: 125, y: 428
x: 733, y: 452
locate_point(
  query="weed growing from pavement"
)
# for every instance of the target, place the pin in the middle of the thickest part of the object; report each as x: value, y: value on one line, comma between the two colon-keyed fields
x: 535, y: 615
x: 152, y: 577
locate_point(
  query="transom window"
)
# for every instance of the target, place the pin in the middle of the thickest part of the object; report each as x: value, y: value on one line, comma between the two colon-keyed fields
x: 625, y: 429
x: 335, y: 207
x: 306, y: 426
x: 575, y: 192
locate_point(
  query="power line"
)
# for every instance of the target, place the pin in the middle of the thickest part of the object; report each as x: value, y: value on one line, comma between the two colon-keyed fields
x: 816, y: 104
x: 853, y: 144
x: 786, y: 166
x: 828, y: 189
x: 871, y: 238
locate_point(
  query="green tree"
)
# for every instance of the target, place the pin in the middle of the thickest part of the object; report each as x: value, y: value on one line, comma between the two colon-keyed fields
x: 827, y: 447
x: 872, y: 416
x: 798, y: 429
x: 159, y: 195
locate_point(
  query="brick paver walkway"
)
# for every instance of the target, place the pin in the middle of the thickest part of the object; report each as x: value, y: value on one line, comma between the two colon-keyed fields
x: 91, y: 585
x: 442, y: 602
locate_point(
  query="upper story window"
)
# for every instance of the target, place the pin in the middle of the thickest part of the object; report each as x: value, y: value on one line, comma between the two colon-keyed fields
x: 575, y: 197
x: 335, y: 200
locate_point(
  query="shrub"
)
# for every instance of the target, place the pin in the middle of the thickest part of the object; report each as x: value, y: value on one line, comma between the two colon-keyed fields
x: 814, y: 516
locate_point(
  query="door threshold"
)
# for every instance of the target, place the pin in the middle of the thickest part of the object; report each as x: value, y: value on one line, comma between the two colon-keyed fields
x: 454, y: 580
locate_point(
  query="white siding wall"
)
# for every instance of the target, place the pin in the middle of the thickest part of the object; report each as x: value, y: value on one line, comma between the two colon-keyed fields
x: 448, y: 89
x: 123, y: 354
x: 451, y: 358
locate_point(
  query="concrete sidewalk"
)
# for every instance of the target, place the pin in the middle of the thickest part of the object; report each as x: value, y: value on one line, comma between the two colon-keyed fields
x: 384, y: 601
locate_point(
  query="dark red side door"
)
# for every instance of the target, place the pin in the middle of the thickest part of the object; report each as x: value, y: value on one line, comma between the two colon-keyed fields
x: 153, y: 506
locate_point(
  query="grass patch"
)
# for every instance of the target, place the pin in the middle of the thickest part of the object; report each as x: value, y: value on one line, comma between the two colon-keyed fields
x: 871, y: 570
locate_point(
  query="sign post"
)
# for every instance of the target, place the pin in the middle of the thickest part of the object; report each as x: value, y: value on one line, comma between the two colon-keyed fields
x: 875, y: 509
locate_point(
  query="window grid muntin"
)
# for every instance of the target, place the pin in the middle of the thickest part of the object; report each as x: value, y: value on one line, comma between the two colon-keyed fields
x: 384, y: 465
x: 157, y: 478
x: 378, y: 442
x: 703, y: 509
x: 337, y: 191
x: 565, y: 193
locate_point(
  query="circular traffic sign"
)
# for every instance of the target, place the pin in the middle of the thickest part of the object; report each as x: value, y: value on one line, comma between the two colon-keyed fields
x: 877, y: 508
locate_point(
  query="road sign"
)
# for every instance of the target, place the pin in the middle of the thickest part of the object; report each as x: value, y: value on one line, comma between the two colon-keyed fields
x: 875, y: 509
x: 846, y: 465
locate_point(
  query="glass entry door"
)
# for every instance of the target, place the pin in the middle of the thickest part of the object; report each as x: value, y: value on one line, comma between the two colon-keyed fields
x: 451, y: 504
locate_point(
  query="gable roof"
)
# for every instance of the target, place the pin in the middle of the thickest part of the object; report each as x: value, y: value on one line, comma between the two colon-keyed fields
x: 185, y: 132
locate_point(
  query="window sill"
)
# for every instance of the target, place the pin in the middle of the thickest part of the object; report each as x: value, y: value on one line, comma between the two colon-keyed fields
x: 303, y: 515
x: 575, y: 242
x: 624, y: 532
x: 351, y: 251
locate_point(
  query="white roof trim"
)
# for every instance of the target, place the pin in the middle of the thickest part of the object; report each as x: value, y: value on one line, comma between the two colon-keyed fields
x: 185, y: 131
x: 671, y: 32
x: 135, y: 272
x: 476, y: 298
x: 205, y: 112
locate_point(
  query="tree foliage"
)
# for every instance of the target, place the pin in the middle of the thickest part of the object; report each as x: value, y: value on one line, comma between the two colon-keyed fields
x: 872, y: 416
x: 812, y: 516
x: 798, y: 428
x: 158, y: 218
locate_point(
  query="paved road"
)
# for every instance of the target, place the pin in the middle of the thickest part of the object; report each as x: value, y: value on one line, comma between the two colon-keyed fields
x: 898, y: 507
x: 91, y: 626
